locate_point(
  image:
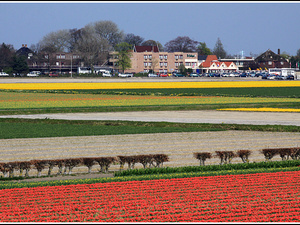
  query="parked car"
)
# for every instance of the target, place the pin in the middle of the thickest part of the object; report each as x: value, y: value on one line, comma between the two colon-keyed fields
x: 243, y: 75
x: 33, y: 74
x: 53, y: 74
x: 163, y: 75
x: 178, y: 75
x: 106, y: 74
x: 290, y: 77
x: 3, y: 74
x: 194, y: 75
x: 152, y: 75
x: 125, y: 75
x: 271, y: 77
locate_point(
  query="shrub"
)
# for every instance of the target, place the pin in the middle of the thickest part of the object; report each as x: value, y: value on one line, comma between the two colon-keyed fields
x: 71, y: 163
x: 39, y: 165
x: 202, y: 156
x: 159, y: 159
x: 269, y: 153
x: 225, y: 156
x: 89, y: 162
x: 24, y: 165
x: 244, y: 155
x: 105, y: 162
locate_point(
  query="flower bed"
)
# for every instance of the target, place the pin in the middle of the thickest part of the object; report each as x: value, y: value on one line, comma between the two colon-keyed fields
x: 264, y: 197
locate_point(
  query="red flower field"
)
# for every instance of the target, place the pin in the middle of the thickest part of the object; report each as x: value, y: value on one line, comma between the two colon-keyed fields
x: 261, y: 197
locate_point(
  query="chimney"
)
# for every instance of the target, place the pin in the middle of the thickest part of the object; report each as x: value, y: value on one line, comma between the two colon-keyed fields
x: 25, y: 45
x: 279, y: 51
x: 22, y: 45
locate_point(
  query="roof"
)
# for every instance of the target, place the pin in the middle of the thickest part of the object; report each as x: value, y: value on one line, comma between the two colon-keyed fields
x: 208, y: 60
x: 145, y: 49
x: 24, y: 51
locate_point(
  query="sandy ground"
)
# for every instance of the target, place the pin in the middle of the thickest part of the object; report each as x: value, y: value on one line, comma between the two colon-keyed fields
x: 202, y: 116
x: 178, y: 146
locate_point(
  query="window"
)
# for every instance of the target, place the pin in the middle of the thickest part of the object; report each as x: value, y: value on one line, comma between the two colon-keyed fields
x: 176, y: 64
x: 176, y: 56
x: 145, y: 56
x: 57, y: 63
x: 161, y: 63
x: 145, y: 64
x: 63, y: 56
x: 270, y: 63
x: 160, y: 56
x: 58, y: 56
x: 149, y: 63
x: 166, y: 64
x: 187, y: 64
x: 181, y: 57
x: 165, y: 56
x: 150, y: 56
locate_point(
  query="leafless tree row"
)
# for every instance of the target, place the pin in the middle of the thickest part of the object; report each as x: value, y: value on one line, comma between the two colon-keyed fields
x: 65, y: 166
x: 227, y: 156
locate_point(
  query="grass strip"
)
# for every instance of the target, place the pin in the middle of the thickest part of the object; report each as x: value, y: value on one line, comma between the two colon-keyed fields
x: 22, y: 184
x: 36, y: 128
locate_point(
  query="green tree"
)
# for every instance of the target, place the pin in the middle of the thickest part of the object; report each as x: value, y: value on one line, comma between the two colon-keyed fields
x: 124, y: 54
x: 6, y: 57
x: 202, y: 49
x: 219, y: 50
x: 20, y: 65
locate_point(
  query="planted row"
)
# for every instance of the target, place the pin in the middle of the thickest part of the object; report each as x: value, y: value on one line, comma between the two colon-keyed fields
x: 227, y: 156
x: 65, y: 166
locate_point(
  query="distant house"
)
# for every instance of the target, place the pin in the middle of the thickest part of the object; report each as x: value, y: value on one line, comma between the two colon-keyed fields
x: 212, y: 64
x: 25, y: 51
x: 270, y: 59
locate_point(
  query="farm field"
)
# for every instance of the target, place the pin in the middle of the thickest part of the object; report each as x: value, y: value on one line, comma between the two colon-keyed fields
x: 260, y: 197
x: 17, y: 100
x: 263, y: 197
x: 178, y: 146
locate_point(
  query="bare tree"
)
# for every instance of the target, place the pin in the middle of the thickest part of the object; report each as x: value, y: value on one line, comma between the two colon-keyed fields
x: 109, y: 31
x: 133, y: 39
x: 57, y: 41
x: 181, y: 44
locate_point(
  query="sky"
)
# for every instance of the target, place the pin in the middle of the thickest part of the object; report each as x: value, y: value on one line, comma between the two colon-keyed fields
x: 245, y: 28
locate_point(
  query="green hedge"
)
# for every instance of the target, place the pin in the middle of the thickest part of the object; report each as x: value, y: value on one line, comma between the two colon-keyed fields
x: 187, y: 169
x: 22, y: 184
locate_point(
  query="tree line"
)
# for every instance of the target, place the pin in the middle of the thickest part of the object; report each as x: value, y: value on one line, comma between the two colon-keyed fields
x: 95, y: 40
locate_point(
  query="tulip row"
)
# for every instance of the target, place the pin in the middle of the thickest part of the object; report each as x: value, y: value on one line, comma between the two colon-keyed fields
x: 145, y: 85
x: 264, y: 197
x: 263, y: 109
x: 14, y: 100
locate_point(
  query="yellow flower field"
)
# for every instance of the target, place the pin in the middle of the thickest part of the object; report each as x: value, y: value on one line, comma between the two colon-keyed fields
x: 261, y: 109
x: 146, y: 85
x: 14, y: 100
